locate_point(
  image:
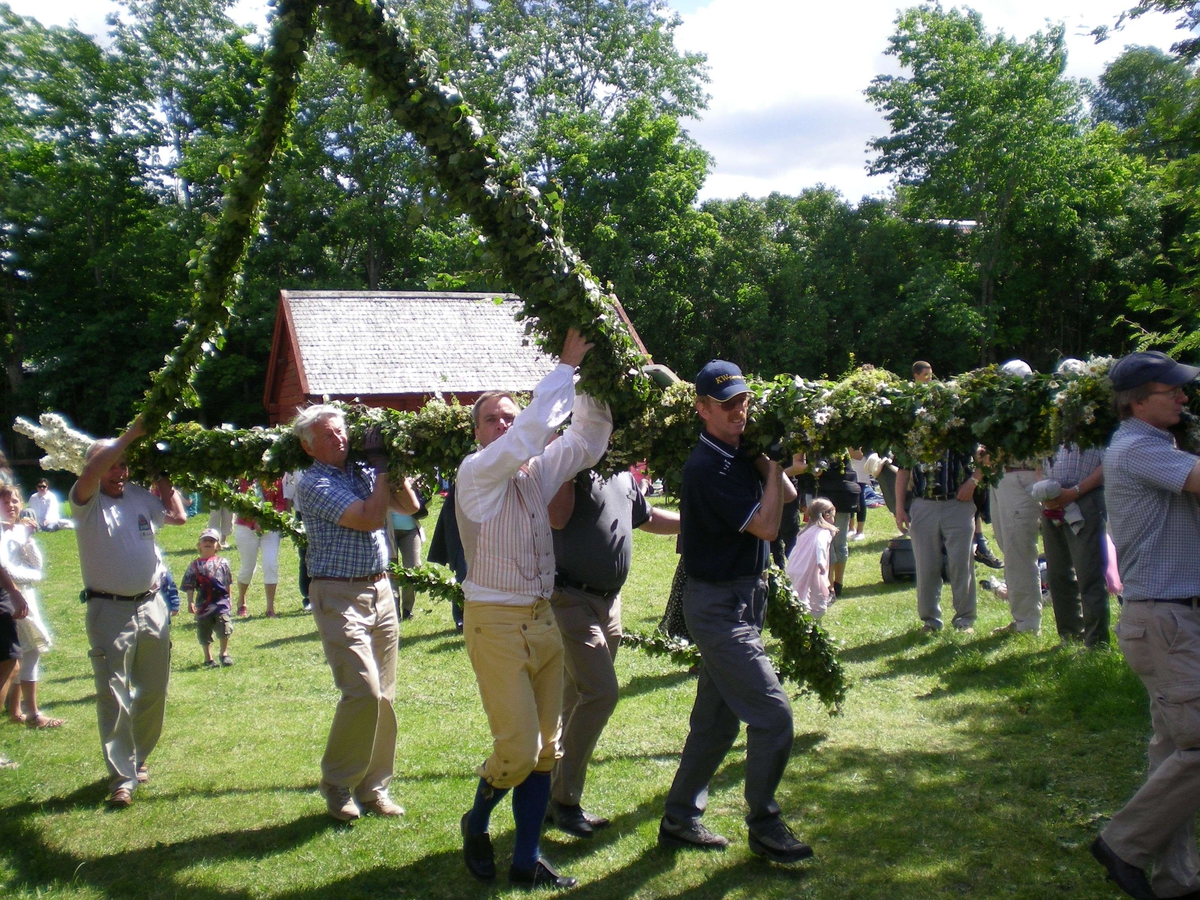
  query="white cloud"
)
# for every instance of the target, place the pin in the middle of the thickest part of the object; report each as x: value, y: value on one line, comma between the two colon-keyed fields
x: 787, y: 109
x: 789, y: 75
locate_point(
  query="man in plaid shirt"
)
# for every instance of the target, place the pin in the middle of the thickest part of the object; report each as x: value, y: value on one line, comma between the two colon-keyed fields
x: 345, y: 506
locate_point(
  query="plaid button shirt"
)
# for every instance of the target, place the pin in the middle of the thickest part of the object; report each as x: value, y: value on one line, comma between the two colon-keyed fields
x: 334, y: 551
x: 1155, y: 523
x: 1070, y: 465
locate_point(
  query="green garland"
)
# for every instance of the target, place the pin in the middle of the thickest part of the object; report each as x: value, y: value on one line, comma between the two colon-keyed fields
x: 806, y: 655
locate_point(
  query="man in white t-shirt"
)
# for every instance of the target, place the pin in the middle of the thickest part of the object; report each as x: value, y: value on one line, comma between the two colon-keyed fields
x: 128, y: 624
x: 44, y: 504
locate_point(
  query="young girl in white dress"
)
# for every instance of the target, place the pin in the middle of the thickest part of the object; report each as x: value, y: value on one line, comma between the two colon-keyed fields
x: 808, y: 563
x: 22, y: 559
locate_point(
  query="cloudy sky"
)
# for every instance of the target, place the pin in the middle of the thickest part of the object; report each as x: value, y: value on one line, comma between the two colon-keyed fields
x: 787, y: 109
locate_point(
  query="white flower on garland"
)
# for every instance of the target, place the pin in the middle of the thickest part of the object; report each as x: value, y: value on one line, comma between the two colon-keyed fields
x: 65, y: 447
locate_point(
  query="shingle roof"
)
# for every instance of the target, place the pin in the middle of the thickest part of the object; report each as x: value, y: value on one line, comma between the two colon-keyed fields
x: 356, y: 343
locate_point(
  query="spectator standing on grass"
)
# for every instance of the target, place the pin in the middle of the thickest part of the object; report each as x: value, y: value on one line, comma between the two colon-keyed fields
x: 808, y: 563
x: 47, y: 508
x: 1153, y: 492
x: 1016, y: 520
x: 730, y: 509
x: 513, y: 640
x: 290, y: 480
x: 206, y: 583
x: 22, y: 559
x: 251, y: 538
x: 858, y: 461
x: 593, y: 520
x: 128, y: 623
x: 345, y: 503
x: 406, y: 537
x: 942, y: 514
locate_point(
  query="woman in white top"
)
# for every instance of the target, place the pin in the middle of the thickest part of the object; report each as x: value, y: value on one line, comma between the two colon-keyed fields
x: 808, y: 563
x: 22, y: 558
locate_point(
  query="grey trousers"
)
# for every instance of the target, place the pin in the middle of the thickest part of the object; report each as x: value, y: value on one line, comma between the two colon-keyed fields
x: 952, y: 522
x: 737, y: 684
x: 408, y: 549
x: 591, y: 634
x: 1161, y: 643
x: 130, y: 652
x: 1075, y: 570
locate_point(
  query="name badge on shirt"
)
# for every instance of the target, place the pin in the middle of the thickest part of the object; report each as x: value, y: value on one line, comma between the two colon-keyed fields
x: 144, y: 528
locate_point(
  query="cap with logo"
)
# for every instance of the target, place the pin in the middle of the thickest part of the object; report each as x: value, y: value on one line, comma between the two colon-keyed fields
x: 210, y: 534
x: 720, y: 380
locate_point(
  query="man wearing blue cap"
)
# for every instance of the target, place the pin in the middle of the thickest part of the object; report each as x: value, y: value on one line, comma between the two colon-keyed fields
x: 1154, y: 515
x: 730, y: 508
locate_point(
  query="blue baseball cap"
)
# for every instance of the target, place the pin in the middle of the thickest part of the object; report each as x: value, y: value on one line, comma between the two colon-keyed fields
x: 720, y: 380
x: 1146, y: 366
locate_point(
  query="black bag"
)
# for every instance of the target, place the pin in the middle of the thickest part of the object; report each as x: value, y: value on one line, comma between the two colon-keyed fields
x: 898, y: 562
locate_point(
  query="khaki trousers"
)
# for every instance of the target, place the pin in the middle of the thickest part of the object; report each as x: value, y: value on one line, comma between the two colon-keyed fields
x: 1161, y: 643
x: 517, y: 654
x: 1016, y: 520
x: 130, y: 652
x: 591, y: 634
x: 360, y: 634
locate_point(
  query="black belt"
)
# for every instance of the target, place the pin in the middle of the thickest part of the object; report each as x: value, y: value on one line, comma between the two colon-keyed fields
x: 561, y: 580
x: 1193, y: 602
x: 89, y: 594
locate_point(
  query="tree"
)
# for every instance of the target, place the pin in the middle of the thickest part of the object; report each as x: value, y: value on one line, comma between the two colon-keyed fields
x: 1137, y: 91
x: 983, y: 125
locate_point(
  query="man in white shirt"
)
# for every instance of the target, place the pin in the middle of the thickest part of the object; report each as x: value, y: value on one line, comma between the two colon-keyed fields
x: 513, y: 641
x: 45, y: 507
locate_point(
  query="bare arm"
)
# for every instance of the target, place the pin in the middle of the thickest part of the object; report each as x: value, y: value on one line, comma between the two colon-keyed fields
x: 172, y: 502
x: 369, y: 514
x: 405, y: 499
x: 89, y: 479
x: 20, y: 607
x: 1192, y: 484
x: 661, y: 521
x: 562, y: 505
x: 901, y: 491
x: 1090, y: 483
x: 764, y: 523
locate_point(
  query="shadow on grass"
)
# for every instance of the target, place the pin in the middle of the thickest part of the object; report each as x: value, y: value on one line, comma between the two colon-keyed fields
x: 642, y: 684
x: 305, y: 637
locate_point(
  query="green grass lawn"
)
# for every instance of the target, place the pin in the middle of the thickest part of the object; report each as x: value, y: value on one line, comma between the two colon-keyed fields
x: 963, y: 766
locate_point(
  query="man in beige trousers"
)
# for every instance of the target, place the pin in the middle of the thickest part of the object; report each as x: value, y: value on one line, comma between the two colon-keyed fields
x: 345, y: 506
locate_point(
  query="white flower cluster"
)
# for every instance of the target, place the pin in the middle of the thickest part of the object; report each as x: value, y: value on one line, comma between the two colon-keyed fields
x: 64, y: 446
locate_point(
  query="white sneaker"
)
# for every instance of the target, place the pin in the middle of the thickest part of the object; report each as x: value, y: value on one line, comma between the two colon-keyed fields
x: 858, y: 536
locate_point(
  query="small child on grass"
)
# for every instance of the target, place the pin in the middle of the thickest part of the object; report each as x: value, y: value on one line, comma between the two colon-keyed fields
x: 209, y: 577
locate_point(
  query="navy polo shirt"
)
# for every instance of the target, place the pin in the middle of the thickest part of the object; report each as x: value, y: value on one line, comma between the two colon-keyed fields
x: 721, y: 493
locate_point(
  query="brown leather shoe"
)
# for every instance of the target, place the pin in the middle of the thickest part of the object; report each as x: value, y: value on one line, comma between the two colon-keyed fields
x: 121, y: 798
x: 340, y: 802
x: 383, y: 805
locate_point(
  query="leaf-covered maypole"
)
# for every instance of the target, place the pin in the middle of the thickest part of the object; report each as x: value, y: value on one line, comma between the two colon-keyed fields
x: 218, y: 263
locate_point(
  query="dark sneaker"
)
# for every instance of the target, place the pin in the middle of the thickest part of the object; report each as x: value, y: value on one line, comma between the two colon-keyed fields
x: 778, y: 844
x: 477, y: 851
x: 1126, y: 876
x: 689, y: 834
x: 541, y: 875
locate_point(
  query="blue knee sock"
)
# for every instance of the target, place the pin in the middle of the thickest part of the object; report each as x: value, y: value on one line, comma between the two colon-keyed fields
x: 530, y: 799
x: 486, y: 798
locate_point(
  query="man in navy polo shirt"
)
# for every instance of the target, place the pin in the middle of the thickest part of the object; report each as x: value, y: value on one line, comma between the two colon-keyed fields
x: 730, y: 507
x: 1154, y: 514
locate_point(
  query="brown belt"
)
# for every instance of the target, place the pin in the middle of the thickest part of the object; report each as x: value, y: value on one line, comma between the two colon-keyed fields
x: 358, y: 579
